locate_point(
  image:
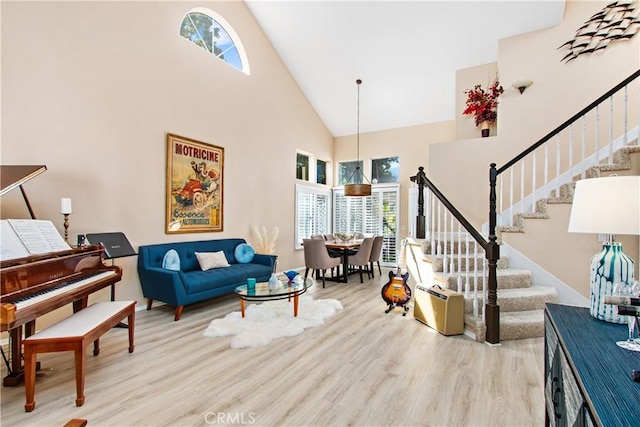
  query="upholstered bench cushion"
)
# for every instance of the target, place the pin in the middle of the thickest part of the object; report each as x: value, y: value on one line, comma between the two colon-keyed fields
x: 73, y: 334
x: 82, y: 322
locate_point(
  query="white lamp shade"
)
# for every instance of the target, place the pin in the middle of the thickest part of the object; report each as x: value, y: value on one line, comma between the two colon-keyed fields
x: 608, y: 205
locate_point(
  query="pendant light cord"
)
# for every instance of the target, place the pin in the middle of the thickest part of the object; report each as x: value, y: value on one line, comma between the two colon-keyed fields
x: 358, y: 82
x: 358, y: 188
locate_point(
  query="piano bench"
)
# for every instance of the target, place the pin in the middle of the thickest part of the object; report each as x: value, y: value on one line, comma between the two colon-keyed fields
x: 73, y: 334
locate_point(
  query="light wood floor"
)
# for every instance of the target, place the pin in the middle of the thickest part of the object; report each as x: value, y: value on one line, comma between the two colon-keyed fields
x: 362, y: 368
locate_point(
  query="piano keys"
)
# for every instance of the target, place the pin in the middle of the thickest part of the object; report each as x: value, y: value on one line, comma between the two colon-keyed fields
x: 38, y: 284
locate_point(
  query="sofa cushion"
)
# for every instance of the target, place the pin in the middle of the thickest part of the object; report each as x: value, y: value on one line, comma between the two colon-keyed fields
x: 244, y: 253
x: 171, y: 260
x: 209, y: 260
x: 236, y: 274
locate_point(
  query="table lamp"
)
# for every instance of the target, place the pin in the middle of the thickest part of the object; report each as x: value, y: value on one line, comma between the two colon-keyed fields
x: 607, y: 205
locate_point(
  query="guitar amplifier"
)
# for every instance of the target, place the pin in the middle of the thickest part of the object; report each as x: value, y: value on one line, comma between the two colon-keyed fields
x: 441, y: 309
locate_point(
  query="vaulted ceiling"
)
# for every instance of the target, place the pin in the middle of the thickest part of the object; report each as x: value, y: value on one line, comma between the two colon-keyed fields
x: 406, y: 52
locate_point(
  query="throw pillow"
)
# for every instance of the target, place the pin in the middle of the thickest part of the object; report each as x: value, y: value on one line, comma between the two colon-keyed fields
x: 171, y: 260
x: 244, y: 253
x: 209, y: 260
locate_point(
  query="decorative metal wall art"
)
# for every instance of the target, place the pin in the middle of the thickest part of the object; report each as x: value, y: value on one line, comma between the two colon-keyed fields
x: 616, y: 21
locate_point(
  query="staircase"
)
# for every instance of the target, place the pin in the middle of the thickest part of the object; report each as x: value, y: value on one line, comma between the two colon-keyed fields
x: 519, y: 306
x: 625, y: 162
x: 501, y: 303
x: 521, y: 303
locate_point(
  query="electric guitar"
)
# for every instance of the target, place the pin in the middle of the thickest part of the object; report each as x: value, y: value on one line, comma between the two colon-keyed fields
x: 396, y: 293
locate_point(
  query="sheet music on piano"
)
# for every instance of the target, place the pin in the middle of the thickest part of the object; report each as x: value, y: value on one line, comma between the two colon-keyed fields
x: 23, y: 237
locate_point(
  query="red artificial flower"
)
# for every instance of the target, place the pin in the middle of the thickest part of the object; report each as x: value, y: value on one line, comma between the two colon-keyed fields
x: 483, y: 104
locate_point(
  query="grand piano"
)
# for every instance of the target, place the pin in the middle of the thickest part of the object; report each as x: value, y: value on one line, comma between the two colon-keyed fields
x: 35, y: 285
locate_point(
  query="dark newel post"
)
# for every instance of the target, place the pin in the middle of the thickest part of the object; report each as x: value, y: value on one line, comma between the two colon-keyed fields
x: 492, y: 309
x: 420, y: 178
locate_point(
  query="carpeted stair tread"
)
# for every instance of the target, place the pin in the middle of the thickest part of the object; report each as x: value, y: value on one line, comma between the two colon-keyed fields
x: 437, y: 261
x: 507, y: 278
x: 516, y: 325
x: 521, y: 299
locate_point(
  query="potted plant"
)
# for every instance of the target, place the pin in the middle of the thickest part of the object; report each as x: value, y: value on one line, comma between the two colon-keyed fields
x: 483, y: 105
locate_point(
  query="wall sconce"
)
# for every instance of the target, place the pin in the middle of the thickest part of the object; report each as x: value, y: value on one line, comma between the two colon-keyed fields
x: 521, y: 85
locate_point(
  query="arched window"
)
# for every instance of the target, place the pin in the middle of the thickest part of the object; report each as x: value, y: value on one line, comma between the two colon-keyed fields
x: 212, y: 33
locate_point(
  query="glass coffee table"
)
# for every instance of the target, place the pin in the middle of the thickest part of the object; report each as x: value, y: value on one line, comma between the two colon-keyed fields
x: 263, y: 293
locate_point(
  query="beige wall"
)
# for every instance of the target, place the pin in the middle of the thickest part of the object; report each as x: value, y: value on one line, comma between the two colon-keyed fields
x: 91, y: 89
x: 410, y: 144
x: 567, y: 255
x: 559, y: 91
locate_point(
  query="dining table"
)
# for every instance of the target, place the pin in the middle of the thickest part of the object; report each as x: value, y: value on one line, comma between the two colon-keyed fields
x: 345, y: 246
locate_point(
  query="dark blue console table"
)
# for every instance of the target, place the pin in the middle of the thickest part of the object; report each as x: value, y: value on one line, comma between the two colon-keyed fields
x: 587, y: 376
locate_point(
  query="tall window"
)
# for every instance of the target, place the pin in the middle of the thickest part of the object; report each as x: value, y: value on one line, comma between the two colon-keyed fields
x: 312, y: 212
x: 373, y: 215
x: 385, y: 170
x: 213, y: 34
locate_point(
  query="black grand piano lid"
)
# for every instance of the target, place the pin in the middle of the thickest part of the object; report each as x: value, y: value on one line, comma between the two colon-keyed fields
x: 12, y: 176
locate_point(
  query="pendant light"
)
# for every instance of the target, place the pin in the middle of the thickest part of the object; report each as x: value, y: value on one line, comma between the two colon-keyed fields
x: 356, y: 185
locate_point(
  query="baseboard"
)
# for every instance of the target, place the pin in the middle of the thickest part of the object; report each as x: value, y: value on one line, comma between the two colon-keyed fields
x: 541, y: 277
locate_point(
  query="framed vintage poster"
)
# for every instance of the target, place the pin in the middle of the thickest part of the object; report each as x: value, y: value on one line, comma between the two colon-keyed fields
x: 194, y: 186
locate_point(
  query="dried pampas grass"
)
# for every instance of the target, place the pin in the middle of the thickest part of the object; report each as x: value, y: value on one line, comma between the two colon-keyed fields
x: 262, y: 241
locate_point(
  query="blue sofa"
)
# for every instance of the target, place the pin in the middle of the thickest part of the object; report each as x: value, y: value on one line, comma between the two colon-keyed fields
x: 190, y: 284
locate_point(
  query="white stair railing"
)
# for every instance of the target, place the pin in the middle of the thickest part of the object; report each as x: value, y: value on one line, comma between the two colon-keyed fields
x: 459, y: 259
x: 578, y: 147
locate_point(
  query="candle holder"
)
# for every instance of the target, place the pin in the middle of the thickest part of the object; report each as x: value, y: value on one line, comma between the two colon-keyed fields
x: 66, y: 228
x: 65, y: 209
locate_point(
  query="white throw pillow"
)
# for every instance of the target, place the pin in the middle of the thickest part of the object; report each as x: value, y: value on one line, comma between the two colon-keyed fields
x: 209, y: 260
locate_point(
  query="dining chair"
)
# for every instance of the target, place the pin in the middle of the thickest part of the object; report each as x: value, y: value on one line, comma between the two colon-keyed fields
x: 376, y: 252
x: 317, y: 236
x: 316, y: 257
x: 329, y: 237
x: 361, y: 258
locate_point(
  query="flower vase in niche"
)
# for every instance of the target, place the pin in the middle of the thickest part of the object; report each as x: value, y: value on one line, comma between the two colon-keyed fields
x: 274, y: 282
x: 482, y: 104
x: 484, y: 128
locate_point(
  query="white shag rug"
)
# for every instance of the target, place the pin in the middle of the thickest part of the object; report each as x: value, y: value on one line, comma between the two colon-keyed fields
x: 272, y: 319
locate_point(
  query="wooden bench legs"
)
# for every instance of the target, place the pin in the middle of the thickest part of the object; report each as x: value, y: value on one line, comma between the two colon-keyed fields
x: 74, y: 334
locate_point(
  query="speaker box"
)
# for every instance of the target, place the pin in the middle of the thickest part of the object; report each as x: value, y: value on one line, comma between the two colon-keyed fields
x: 440, y: 309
